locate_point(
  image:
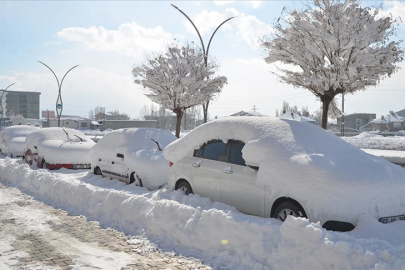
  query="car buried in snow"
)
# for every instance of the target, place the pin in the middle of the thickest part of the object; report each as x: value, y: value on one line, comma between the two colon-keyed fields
x: 133, y: 155
x: 56, y: 147
x: 12, y: 140
x: 274, y: 168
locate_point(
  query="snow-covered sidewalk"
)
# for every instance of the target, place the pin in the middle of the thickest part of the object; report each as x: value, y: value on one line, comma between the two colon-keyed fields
x: 216, y: 233
x: 397, y: 157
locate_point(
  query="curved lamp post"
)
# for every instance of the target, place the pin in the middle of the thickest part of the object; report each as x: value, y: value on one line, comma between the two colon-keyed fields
x: 205, y: 106
x: 59, y: 102
x: 1, y: 103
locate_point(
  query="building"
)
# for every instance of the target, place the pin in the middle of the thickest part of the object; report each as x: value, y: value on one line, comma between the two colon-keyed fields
x: 21, y: 102
x: 117, y: 124
x: 297, y: 116
x: 70, y: 121
x: 243, y: 113
x: 357, y: 121
x: 391, y: 122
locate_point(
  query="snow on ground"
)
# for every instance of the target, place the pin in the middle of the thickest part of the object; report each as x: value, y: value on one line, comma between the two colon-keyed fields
x: 86, y: 255
x: 214, y: 232
x: 372, y: 141
x: 389, y: 148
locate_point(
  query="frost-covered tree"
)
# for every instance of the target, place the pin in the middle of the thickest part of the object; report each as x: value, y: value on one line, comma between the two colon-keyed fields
x: 334, y: 47
x: 16, y: 119
x: 178, y: 79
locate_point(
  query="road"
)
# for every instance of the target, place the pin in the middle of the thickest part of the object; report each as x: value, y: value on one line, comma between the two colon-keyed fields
x: 36, y: 236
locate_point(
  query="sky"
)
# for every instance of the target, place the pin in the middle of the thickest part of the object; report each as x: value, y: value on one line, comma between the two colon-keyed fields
x: 107, y: 38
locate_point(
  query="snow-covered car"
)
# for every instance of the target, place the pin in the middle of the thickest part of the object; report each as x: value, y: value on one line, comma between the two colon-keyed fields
x: 133, y: 155
x: 56, y: 147
x: 12, y: 140
x: 275, y: 168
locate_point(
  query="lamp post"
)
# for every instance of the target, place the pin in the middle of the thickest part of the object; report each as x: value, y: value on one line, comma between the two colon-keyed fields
x: 205, y: 106
x: 1, y: 103
x: 59, y: 102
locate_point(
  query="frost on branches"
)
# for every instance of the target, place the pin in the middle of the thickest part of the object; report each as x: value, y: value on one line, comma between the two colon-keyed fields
x: 338, y: 46
x: 178, y: 79
x: 16, y: 119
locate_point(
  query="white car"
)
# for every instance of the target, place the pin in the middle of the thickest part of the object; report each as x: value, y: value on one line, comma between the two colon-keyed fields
x: 57, y: 147
x: 274, y: 168
x: 133, y: 155
x: 12, y: 140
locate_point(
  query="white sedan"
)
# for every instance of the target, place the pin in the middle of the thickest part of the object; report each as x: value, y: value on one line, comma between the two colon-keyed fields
x: 12, y: 140
x: 133, y: 155
x: 274, y: 168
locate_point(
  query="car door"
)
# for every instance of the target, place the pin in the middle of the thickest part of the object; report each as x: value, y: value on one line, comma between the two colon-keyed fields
x: 238, y: 182
x: 205, y: 169
x: 118, y: 168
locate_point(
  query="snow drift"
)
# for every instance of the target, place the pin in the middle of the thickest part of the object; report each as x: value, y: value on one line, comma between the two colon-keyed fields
x: 216, y: 233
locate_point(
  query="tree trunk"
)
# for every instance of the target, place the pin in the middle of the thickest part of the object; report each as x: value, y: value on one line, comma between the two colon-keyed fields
x: 205, y: 111
x: 179, y: 114
x: 325, y: 108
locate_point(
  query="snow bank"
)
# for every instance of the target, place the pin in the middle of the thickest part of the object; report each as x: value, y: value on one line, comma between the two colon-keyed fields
x: 373, y: 141
x: 216, y: 233
x: 12, y: 139
x: 327, y: 176
x: 60, y: 145
x: 141, y: 153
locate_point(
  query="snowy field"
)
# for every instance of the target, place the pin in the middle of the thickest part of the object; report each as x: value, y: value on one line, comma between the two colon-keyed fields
x: 216, y: 233
x: 389, y: 148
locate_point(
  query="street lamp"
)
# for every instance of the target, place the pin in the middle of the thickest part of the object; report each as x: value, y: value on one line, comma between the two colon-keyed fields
x: 1, y: 103
x: 205, y: 106
x: 59, y: 102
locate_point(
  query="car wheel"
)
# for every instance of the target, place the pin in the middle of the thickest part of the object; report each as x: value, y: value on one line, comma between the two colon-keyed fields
x: 97, y: 171
x: 44, y: 165
x: 135, y: 179
x: 289, y: 208
x: 185, y: 186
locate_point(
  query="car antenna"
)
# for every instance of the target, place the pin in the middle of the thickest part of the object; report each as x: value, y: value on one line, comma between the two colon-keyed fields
x: 158, y: 145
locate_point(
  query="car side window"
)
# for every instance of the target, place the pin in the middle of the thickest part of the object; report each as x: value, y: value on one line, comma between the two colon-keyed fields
x: 235, y: 155
x: 214, y: 150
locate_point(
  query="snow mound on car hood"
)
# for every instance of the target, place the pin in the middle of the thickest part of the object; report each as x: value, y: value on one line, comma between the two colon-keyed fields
x: 307, y: 163
x: 141, y: 153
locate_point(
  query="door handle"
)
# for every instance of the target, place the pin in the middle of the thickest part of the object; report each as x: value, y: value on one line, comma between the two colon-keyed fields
x: 196, y: 165
x: 228, y: 171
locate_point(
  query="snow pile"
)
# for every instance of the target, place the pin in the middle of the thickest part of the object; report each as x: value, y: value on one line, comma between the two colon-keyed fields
x: 216, y: 233
x: 60, y: 145
x: 12, y: 139
x: 327, y: 176
x: 373, y: 141
x: 141, y: 153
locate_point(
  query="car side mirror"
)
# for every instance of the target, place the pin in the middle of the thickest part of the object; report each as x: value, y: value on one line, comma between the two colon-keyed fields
x: 120, y: 155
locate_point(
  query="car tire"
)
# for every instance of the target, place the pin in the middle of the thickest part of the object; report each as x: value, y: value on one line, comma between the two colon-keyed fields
x: 185, y: 187
x: 97, y: 171
x: 44, y: 165
x: 289, y: 208
x: 135, y: 179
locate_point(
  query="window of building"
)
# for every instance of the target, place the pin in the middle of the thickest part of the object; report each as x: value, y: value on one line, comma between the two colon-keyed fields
x: 397, y: 125
x: 83, y: 124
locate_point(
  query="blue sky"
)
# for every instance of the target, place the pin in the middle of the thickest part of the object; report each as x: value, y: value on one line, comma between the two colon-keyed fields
x: 108, y: 37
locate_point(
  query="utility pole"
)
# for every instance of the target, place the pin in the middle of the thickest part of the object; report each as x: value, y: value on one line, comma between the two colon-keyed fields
x: 205, y: 106
x: 254, y: 108
x: 1, y: 104
x: 59, y: 102
x: 342, y: 123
